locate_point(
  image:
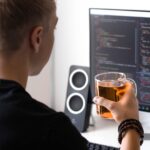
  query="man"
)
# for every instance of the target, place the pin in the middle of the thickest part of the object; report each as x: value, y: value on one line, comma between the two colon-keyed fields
x: 26, y: 40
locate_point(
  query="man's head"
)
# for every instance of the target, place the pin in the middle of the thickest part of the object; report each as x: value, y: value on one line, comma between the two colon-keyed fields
x: 17, y: 16
x: 30, y: 19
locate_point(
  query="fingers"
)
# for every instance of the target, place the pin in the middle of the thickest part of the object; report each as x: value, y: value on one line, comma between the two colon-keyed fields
x: 129, y: 94
x: 104, y: 102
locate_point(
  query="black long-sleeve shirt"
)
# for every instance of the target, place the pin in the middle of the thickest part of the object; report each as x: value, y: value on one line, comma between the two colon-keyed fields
x: 28, y: 124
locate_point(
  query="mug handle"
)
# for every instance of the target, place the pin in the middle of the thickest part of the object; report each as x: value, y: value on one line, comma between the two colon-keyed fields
x: 135, y: 85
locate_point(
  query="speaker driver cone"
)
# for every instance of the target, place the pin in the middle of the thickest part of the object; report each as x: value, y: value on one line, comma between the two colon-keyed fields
x: 78, y: 79
x: 75, y: 103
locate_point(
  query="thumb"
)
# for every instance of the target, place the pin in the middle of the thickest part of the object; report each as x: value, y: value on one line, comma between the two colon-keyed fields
x: 103, y: 102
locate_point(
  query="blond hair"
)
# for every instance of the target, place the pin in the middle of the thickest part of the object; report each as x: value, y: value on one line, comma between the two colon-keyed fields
x: 17, y: 16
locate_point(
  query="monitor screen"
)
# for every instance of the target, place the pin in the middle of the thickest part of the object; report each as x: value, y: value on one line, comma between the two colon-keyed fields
x: 120, y: 41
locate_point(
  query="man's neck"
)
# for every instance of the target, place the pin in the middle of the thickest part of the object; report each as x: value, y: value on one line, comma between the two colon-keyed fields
x: 14, y: 68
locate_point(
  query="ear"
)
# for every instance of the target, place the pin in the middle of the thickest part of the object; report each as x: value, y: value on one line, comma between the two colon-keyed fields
x: 36, y: 38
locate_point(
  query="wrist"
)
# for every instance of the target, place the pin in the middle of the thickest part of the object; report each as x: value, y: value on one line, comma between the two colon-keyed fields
x: 130, y: 127
x: 130, y: 133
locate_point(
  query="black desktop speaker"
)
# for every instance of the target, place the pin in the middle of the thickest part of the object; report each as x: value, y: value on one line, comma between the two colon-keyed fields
x: 78, y: 97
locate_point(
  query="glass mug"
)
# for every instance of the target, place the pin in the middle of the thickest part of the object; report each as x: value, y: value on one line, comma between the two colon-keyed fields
x: 112, y: 86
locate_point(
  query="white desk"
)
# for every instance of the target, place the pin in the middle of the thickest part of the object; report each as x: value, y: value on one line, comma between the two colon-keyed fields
x: 105, y: 131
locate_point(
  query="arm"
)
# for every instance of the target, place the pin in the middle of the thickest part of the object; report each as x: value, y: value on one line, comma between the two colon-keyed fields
x: 130, y: 141
x: 126, y: 108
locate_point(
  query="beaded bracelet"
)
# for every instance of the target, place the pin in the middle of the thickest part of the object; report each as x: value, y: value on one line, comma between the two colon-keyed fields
x: 130, y: 124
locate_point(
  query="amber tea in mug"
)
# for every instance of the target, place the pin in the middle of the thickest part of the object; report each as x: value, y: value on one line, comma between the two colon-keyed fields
x: 110, y: 85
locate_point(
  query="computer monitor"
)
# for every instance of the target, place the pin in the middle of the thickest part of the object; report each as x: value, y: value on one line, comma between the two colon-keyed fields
x: 120, y: 41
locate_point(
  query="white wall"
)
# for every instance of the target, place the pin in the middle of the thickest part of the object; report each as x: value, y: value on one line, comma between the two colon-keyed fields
x: 71, y: 47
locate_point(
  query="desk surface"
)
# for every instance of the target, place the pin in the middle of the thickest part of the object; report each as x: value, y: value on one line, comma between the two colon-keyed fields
x: 104, y: 131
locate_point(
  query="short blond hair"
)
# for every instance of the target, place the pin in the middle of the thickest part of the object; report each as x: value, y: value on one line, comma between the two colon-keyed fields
x: 17, y: 16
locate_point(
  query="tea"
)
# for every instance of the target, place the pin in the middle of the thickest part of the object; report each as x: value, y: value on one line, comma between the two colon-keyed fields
x: 112, y: 90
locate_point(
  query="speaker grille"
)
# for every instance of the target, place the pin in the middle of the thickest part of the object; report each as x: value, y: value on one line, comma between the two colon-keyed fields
x: 78, y: 79
x: 75, y: 103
